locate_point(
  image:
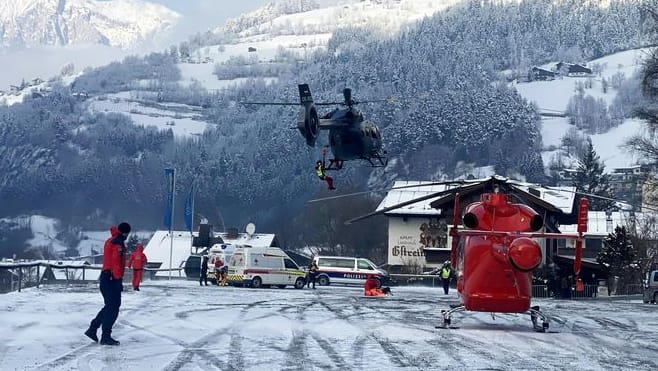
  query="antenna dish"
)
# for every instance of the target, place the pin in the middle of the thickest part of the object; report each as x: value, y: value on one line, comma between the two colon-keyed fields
x: 251, y: 228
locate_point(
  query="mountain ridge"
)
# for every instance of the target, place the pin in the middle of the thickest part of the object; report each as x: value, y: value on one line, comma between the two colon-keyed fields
x: 119, y: 23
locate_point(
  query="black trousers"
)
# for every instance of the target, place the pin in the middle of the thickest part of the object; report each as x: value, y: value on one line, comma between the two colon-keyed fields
x: 310, y: 279
x: 446, y: 285
x: 203, y: 278
x: 111, y: 291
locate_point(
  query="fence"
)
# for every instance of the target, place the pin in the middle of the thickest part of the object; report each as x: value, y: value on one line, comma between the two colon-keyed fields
x: 16, y: 276
x: 538, y: 291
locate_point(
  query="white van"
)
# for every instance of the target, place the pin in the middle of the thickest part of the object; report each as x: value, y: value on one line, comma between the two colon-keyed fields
x: 347, y: 270
x: 264, y: 266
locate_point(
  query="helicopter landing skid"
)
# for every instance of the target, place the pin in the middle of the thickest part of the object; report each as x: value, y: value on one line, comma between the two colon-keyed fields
x: 447, y: 316
x: 535, y: 314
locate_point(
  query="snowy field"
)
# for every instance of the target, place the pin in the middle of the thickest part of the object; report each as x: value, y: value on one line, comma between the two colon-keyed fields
x: 177, y: 325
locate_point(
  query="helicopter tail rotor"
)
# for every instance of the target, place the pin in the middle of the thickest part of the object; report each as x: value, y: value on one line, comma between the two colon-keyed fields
x: 309, y: 124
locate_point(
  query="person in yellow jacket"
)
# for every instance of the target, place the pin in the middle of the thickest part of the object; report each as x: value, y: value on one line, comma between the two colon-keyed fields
x: 446, y: 274
x: 321, y: 173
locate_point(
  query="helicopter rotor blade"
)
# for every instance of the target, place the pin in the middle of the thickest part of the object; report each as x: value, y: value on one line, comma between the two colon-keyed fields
x: 403, y: 204
x: 269, y: 104
x: 385, y: 190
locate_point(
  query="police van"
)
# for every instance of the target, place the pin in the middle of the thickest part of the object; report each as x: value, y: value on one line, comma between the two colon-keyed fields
x: 347, y: 270
x: 264, y: 266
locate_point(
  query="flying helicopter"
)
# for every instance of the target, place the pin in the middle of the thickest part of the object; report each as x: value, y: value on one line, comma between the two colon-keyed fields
x: 493, y: 251
x: 351, y: 136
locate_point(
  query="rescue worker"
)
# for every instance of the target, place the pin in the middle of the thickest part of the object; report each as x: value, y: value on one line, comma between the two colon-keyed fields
x: 137, y: 262
x: 111, y: 284
x: 312, y: 272
x: 320, y: 171
x: 203, y: 278
x: 372, y: 287
x: 446, y: 274
x: 218, y: 270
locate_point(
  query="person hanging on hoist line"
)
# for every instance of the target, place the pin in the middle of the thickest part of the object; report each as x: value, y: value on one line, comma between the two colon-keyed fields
x: 320, y: 171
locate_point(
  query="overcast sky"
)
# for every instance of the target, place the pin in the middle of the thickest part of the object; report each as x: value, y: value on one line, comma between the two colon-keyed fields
x: 201, y: 15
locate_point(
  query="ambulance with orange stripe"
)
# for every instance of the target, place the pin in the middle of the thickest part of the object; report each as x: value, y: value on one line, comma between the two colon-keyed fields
x: 258, y: 267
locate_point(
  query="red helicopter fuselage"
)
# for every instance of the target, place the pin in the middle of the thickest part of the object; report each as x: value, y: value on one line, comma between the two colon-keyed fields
x: 494, y: 265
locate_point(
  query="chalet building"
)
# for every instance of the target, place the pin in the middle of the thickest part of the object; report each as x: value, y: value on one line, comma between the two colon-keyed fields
x: 540, y: 74
x: 627, y: 183
x: 572, y: 69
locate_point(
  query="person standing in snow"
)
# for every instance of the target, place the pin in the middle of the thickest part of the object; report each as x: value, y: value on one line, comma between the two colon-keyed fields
x: 111, y: 284
x: 137, y: 262
x: 446, y: 274
x: 203, y: 277
x: 312, y: 272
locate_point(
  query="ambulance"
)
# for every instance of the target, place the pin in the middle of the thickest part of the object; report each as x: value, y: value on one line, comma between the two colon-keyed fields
x: 258, y: 267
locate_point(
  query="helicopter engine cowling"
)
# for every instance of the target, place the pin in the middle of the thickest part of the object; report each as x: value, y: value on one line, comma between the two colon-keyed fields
x: 309, y: 124
x: 524, y: 254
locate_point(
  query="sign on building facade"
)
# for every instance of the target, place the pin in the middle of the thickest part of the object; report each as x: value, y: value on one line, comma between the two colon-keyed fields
x: 409, y: 236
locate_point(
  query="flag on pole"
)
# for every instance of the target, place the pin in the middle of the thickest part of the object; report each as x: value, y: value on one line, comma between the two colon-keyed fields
x: 189, y: 209
x: 170, y: 174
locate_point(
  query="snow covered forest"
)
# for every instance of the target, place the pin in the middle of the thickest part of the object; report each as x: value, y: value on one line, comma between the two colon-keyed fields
x: 450, y: 73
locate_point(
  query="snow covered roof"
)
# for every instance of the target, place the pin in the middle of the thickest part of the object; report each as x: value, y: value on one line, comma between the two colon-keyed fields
x: 254, y: 240
x: 597, y: 222
x: 159, y: 247
x: 398, y: 195
x: 561, y: 198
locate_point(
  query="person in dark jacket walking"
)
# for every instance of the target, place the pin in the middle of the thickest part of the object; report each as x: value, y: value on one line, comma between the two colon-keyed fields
x: 111, y: 285
x: 203, y: 277
x: 312, y: 272
x: 137, y: 262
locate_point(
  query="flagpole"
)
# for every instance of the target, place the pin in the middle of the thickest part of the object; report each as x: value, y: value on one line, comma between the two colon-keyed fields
x: 192, y: 217
x: 171, y: 224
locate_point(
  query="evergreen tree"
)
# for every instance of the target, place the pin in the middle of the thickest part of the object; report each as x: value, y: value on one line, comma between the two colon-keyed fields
x: 619, y: 256
x: 590, y: 179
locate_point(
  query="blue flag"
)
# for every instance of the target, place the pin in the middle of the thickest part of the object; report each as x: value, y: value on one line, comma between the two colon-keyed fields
x: 189, y: 208
x: 171, y: 185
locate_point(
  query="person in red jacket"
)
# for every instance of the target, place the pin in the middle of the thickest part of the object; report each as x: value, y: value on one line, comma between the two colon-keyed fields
x: 372, y: 287
x: 137, y: 262
x: 111, y: 285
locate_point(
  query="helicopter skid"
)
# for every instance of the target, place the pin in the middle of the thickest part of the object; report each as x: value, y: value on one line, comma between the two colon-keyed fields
x: 447, y: 315
x: 535, y: 316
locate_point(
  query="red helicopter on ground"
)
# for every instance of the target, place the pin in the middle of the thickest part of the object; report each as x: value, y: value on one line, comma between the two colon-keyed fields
x: 495, y: 254
x: 493, y: 251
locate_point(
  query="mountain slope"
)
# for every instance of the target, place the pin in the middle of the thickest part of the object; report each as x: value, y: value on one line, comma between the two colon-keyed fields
x: 119, y: 23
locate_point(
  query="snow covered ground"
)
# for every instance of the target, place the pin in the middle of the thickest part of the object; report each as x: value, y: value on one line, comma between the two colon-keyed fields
x: 177, y: 325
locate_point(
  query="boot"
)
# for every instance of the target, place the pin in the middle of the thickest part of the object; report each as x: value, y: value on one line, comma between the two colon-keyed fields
x: 109, y: 341
x: 91, y: 333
